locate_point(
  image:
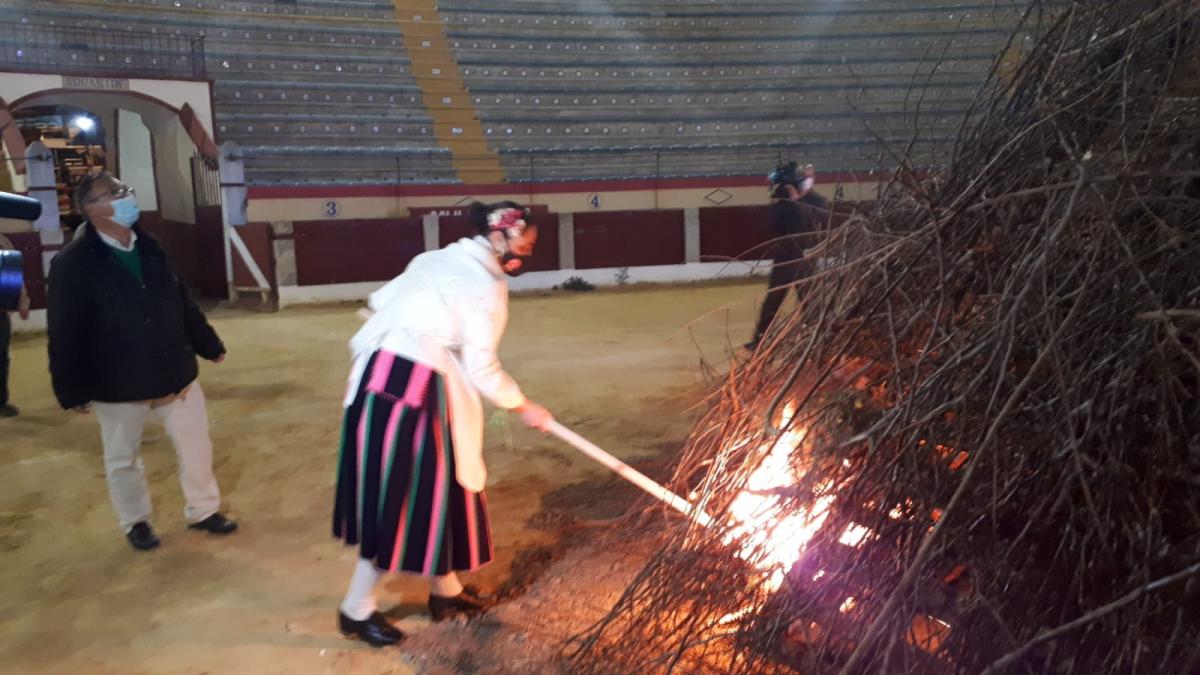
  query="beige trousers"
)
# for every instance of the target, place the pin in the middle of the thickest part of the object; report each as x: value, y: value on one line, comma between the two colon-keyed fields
x: 186, y: 421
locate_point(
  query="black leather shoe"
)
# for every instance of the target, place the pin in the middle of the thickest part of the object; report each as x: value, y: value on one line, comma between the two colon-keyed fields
x: 468, y: 603
x: 141, y: 536
x: 8, y: 409
x: 217, y: 523
x: 375, y: 631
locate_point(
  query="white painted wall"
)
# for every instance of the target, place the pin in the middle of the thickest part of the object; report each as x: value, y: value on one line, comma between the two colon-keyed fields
x: 544, y: 281
x: 136, y: 157
x: 173, y: 92
x: 178, y: 92
x: 174, y: 150
x: 18, y: 85
x: 36, y: 323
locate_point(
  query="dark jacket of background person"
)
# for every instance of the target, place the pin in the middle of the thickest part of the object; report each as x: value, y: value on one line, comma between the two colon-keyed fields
x: 116, y: 340
x: 789, y: 219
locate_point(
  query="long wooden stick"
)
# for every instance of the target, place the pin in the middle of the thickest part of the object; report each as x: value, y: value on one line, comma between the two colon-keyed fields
x: 629, y: 473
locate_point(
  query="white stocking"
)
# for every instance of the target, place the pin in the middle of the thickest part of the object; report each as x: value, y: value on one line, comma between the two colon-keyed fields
x: 359, y: 603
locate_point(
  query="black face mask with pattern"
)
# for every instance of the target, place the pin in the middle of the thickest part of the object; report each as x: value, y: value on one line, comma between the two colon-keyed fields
x: 514, y: 265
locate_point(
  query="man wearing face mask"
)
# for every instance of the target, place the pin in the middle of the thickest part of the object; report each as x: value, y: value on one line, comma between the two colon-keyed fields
x: 124, y: 337
x: 790, y: 223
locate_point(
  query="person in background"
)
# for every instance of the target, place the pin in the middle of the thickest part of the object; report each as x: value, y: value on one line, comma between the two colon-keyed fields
x: 810, y: 196
x: 7, y: 409
x: 411, y: 472
x: 789, y: 221
x: 808, y: 180
x: 124, y: 336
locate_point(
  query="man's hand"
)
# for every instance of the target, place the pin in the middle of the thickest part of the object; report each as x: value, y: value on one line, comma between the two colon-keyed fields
x: 82, y: 409
x: 220, y: 359
x: 534, y: 416
x: 23, y: 312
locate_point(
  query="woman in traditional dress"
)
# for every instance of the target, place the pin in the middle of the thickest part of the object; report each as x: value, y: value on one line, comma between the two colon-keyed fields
x: 411, y: 471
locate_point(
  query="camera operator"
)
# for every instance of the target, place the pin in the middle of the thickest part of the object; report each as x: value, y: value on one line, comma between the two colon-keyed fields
x: 8, y: 409
x: 791, y: 221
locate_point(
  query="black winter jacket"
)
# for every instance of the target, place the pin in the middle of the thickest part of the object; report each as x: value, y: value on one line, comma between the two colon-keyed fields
x: 793, y: 223
x: 115, y: 340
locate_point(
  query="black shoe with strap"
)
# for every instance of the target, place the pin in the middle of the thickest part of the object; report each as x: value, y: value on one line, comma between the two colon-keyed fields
x: 141, y: 536
x: 469, y: 603
x: 375, y: 630
x: 217, y: 523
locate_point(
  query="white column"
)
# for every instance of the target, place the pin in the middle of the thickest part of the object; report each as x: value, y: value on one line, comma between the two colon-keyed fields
x: 233, y: 202
x: 691, y: 235
x: 285, y: 253
x: 52, y: 243
x: 39, y: 162
x: 431, y: 228
x: 566, y: 241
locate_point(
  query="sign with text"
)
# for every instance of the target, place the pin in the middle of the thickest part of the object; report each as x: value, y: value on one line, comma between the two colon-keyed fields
x: 452, y: 211
x: 103, y: 83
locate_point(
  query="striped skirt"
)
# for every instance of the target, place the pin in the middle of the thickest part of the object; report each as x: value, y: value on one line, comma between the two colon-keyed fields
x: 397, y: 497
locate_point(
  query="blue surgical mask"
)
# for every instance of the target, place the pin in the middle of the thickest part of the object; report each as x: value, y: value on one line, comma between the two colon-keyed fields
x: 125, y: 211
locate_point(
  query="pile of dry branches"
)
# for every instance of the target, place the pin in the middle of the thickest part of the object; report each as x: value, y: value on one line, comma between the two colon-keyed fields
x: 996, y: 373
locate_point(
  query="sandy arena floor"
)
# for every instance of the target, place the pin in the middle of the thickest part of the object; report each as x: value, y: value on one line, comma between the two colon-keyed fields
x: 621, y: 367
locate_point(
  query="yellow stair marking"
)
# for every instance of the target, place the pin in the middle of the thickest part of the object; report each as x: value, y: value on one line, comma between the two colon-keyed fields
x: 444, y: 93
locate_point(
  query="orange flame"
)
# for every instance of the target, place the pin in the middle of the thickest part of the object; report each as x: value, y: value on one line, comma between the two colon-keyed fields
x: 766, y: 536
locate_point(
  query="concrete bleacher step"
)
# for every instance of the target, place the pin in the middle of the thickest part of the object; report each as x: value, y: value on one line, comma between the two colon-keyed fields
x: 356, y: 79
x: 444, y: 93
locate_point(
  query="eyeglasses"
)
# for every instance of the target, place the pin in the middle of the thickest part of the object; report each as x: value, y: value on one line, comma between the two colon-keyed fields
x: 114, y: 194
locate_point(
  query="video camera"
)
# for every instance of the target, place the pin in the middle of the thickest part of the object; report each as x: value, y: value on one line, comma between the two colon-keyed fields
x: 786, y: 174
x: 12, y: 267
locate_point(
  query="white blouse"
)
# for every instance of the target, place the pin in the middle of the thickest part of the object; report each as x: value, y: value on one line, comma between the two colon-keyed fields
x: 448, y: 310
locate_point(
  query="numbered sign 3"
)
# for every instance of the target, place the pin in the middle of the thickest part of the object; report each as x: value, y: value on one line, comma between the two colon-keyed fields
x: 331, y: 208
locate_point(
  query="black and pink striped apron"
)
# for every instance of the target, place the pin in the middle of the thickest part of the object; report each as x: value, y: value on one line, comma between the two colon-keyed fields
x: 397, y: 497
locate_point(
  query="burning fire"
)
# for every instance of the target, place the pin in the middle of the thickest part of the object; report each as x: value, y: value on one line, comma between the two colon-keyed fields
x: 774, y: 539
x: 765, y: 535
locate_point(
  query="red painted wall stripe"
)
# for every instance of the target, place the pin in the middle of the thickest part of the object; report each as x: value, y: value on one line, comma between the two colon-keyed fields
x: 447, y: 190
x: 348, y: 251
x: 734, y: 232
x: 628, y: 239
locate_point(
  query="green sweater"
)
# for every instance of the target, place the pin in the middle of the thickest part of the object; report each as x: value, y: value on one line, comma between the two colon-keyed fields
x: 130, y: 260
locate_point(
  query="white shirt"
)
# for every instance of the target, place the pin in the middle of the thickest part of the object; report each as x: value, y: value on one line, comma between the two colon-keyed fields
x: 448, y: 310
x: 109, y: 240
x: 806, y: 184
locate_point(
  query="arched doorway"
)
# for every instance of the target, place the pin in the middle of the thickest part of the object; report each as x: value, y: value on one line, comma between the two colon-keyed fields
x: 162, y: 151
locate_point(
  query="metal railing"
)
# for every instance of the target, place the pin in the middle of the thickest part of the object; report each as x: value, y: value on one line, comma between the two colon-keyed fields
x: 206, y: 182
x: 300, y: 165
x: 100, y: 53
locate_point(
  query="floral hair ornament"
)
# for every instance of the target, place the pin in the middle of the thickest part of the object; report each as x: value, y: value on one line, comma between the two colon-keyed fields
x: 509, y: 221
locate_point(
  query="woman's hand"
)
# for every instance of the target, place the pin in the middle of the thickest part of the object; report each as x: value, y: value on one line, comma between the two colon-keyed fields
x: 534, y: 416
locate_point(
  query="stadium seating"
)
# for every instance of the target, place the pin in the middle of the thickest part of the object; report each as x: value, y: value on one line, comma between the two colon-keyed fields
x: 323, y: 91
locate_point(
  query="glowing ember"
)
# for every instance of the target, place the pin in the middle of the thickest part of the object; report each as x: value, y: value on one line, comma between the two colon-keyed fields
x: 818, y: 575
x: 733, y: 616
x: 927, y: 633
x: 854, y: 535
x: 847, y: 605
